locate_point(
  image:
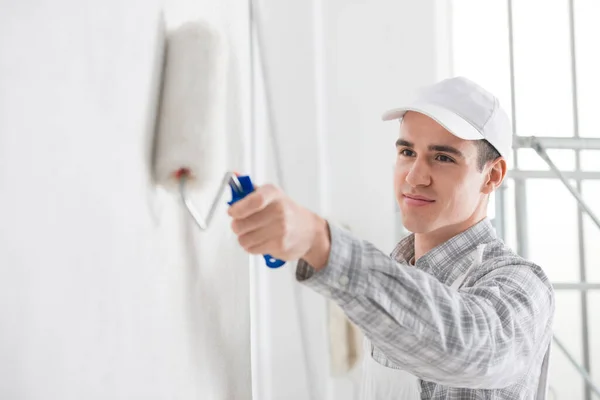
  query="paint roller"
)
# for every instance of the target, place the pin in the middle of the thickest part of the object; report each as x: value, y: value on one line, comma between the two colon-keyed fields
x: 190, y: 133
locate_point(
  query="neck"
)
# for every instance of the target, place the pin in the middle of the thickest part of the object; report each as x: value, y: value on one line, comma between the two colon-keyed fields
x: 424, y: 242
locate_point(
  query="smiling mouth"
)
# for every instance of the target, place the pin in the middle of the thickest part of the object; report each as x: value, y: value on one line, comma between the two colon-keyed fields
x: 416, y: 200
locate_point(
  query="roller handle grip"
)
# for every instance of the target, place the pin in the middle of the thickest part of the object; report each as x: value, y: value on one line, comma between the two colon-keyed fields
x: 247, y: 188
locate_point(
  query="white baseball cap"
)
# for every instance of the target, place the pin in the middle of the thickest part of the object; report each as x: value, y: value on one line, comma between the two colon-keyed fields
x: 465, y: 109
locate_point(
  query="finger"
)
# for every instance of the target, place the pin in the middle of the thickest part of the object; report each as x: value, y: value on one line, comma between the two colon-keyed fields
x: 254, y: 202
x: 271, y: 247
x: 259, y: 237
x: 257, y: 220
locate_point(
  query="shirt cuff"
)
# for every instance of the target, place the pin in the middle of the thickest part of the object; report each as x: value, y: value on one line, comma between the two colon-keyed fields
x: 343, y: 278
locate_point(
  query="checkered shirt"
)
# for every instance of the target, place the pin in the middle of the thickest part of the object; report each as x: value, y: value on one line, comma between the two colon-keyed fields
x: 485, y: 340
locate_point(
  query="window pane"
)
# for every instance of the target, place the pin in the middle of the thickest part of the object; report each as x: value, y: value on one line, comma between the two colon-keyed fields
x: 591, y: 195
x: 482, y: 57
x: 530, y: 160
x: 542, y: 68
x: 587, y: 32
x: 552, y: 224
x: 509, y: 215
x: 565, y: 381
x: 590, y: 160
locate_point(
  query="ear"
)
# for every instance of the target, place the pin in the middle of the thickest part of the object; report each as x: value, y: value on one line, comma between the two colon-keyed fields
x: 495, y: 173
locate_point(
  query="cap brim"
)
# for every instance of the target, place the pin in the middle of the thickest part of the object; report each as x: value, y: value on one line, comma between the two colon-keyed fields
x: 452, y: 122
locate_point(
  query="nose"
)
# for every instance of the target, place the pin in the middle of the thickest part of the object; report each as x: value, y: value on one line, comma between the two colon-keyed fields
x: 419, y: 174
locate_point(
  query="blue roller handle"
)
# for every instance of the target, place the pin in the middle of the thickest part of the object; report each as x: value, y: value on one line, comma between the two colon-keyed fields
x: 248, y: 188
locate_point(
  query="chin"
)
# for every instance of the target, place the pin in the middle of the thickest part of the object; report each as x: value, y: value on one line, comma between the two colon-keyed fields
x: 418, y: 225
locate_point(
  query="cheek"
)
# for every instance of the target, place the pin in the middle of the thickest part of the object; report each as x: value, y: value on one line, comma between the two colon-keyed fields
x: 462, y: 194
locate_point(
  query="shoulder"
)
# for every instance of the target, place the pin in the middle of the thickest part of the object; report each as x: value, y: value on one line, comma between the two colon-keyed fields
x: 503, y: 267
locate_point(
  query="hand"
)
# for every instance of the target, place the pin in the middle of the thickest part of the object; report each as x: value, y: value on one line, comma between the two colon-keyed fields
x: 267, y: 221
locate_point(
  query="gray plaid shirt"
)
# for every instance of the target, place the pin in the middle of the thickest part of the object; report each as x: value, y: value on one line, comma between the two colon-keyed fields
x: 487, y: 340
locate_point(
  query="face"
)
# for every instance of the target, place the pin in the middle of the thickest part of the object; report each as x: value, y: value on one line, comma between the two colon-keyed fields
x: 437, y: 183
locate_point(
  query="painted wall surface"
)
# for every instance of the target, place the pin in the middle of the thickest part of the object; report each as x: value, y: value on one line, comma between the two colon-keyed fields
x: 106, y: 289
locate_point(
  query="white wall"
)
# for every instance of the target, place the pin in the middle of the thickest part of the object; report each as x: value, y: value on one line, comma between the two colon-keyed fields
x: 105, y: 292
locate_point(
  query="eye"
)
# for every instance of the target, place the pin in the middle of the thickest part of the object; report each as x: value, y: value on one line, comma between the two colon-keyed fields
x: 444, y: 158
x: 406, y: 153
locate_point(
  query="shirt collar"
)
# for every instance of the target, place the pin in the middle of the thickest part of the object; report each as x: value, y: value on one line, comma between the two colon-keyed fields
x: 450, y: 255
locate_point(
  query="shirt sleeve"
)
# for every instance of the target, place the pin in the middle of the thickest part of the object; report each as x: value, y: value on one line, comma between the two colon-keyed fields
x: 484, y: 336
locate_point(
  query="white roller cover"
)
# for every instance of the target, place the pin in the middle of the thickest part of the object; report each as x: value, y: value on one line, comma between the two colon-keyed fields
x: 190, y: 130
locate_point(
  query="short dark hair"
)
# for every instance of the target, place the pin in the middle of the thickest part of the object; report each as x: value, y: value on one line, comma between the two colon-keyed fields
x: 485, y: 153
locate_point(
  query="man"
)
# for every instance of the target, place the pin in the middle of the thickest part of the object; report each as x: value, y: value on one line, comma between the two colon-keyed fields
x: 453, y: 313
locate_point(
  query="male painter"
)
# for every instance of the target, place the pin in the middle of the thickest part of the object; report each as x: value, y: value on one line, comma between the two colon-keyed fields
x: 453, y: 313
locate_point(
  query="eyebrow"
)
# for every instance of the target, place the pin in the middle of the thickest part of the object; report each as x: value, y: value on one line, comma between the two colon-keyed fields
x: 433, y: 147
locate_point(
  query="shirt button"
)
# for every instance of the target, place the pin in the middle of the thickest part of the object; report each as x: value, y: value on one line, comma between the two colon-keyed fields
x: 344, y: 280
